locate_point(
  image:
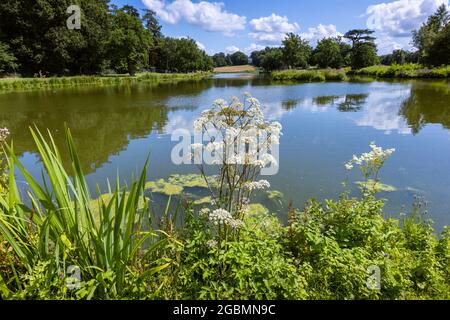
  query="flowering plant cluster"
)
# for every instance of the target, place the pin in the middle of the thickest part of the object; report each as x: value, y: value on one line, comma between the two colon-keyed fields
x: 371, y: 162
x: 241, y: 143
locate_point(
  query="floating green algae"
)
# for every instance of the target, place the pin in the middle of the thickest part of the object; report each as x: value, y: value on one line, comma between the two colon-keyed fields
x: 164, y: 187
x: 376, y: 186
x: 274, y: 195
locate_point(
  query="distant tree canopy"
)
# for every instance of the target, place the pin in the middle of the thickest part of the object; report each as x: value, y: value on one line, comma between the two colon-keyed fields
x: 296, y: 51
x: 237, y: 58
x: 181, y: 55
x: 272, y: 59
x: 364, y: 50
x: 399, y: 57
x: 331, y: 53
x: 432, y: 38
x: 34, y: 39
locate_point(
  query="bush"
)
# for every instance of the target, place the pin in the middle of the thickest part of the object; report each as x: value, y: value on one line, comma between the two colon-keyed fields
x: 342, y: 239
x: 256, y: 266
x: 310, y: 75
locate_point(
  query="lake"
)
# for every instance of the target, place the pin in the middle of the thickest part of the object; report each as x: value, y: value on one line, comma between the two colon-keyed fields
x: 324, y: 124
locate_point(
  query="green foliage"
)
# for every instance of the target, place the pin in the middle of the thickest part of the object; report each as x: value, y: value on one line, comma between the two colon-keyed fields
x: 296, y: 51
x: 254, y: 267
x: 181, y: 55
x: 61, y: 227
x: 325, y: 252
x: 272, y: 59
x: 407, y: 71
x: 239, y: 59
x: 310, y: 75
x: 7, y: 59
x: 129, y: 43
x: 364, y: 55
x: 431, y: 38
x: 328, y: 53
x: 109, y: 39
x: 341, y: 239
x: 41, y: 42
x: 221, y: 60
x: 78, y: 81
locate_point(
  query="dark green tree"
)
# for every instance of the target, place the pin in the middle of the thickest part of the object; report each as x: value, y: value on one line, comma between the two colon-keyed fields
x: 328, y: 53
x: 182, y: 55
x: 220, y: 60
x: 364, y: 50
x: 439, y: 51
x: 296, y: 51
x: 130, y: 41
x: 7, y: 60
x: 151, y: 24
x: 37, y: 34
x: 272, y: 59
x: 239, y: 58
x: 425, y: 37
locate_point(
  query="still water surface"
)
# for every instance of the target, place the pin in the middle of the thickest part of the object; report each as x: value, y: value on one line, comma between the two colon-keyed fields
x: 324, y: 124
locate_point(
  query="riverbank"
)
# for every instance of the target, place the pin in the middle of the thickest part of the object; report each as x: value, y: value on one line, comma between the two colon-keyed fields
x: 407, y: 71
x: 236, y: 69
x: 21, y: 84
x: 310, y: 75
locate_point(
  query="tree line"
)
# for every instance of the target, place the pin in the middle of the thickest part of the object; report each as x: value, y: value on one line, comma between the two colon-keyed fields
x: 432, y: 41
x: 34, y: 39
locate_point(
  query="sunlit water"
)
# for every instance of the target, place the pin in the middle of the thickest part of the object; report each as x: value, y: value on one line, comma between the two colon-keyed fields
x: 324, y: 124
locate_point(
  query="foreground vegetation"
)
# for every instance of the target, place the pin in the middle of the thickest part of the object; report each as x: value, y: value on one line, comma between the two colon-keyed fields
x: 12, y: 84
x: 59, y: 242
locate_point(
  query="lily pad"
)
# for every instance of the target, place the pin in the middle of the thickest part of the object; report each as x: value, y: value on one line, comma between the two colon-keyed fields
x: 376, y: 186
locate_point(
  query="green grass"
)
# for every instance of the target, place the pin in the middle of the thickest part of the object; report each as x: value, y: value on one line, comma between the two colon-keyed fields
x: 406, y: 71
x: 59, y: 224
x: 310, y: 75
x: 21, y: 84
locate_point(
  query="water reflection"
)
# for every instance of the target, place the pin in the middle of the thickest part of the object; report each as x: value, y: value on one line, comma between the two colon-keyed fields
x: 325, y: 123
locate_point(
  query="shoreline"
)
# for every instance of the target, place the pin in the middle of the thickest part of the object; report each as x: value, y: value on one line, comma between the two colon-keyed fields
x: 27, y: 84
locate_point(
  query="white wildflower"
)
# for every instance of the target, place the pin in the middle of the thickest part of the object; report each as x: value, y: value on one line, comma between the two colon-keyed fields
x: 220, y: 217
x: 212, y: 244
x: 257, y: 185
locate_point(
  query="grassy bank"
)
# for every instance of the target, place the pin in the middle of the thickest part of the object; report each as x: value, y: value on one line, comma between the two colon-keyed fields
x: 236, y: 69
x: 12, y: 84
x: 310, y: 75
x: 407, y: 71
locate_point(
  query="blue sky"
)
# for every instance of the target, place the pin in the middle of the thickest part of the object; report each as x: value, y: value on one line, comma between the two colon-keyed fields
x: 228, y: 25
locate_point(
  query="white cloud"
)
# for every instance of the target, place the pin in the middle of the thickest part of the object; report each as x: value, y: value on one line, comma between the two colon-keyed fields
x: 200, y: 45
x: 271, y: 29
x: 321, y: 31
x: 254, y: 47
x: 210, y: 16
x: 399, y: 18
x: 232, y: 49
